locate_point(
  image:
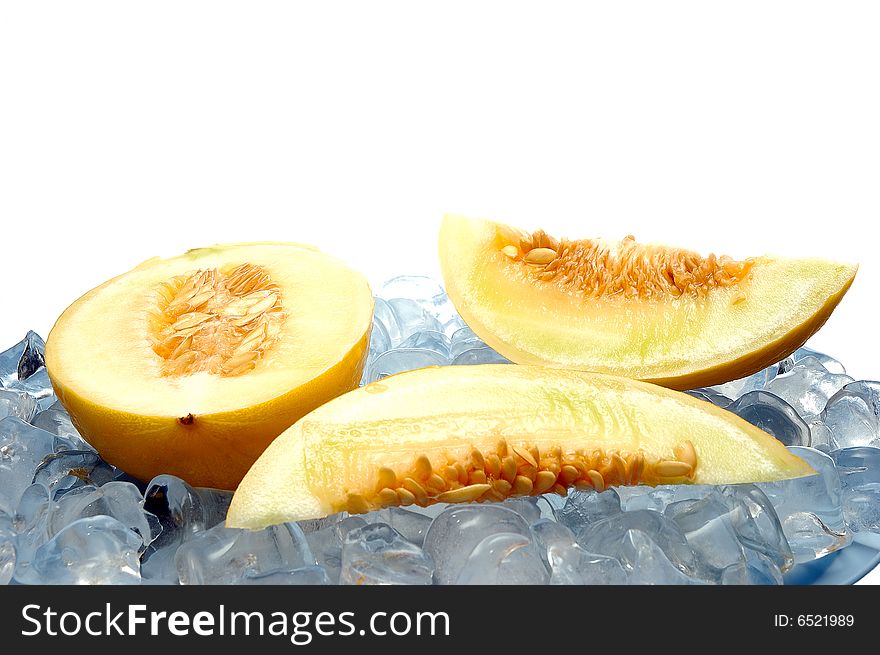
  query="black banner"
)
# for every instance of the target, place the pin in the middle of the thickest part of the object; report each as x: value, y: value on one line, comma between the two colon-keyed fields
x: 432, y: 619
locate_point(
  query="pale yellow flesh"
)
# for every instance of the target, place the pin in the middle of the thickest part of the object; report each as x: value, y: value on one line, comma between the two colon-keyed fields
x: 310, y: 469
x: 100, y: 349
x: 682, y: 343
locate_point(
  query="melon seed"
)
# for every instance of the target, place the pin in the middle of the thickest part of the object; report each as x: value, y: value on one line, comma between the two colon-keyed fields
x: 526, y: 456
x: 387, y: 478
x: 423, y: 467
x: 540, y: 256
x: 388, y: 496
x: 544, y: 481
x: 672, y: 469
x: 685, y: 452
x: 417, y: 490
x: 596, y: 480
x: 522, y: 486
x: 508, y: 468
x: 493, y: 465
x: 464, y: 494
x: 406, y: 497
x: 357, y: 505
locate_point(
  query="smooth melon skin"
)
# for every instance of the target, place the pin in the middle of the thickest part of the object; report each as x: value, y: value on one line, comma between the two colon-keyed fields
x: 204, y: 427
x: 679, y: 342
x: 416, y: 425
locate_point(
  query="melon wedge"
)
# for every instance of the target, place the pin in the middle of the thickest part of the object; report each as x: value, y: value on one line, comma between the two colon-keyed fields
x: 654, y: 313
x: 482, y: 433
x: 192, y: 365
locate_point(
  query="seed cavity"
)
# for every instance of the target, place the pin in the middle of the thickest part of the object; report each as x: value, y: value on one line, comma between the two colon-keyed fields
x: 522, y: 470
x: 594, y: 268
x: 220, y: 321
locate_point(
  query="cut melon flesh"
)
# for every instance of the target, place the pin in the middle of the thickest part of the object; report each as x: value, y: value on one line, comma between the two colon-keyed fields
x: 476, y: 433
x: 768, y: 309
x: 191, y: 365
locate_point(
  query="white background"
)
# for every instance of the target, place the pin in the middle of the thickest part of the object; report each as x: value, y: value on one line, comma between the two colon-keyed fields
x: 129, y: 130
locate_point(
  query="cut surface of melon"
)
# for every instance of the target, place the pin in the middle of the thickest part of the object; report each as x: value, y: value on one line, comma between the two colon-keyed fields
x: 655, y: 313
x: 486, y: 432
x: 191, y: 365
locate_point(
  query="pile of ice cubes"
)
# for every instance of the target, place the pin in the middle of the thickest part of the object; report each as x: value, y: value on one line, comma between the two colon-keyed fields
x: 67, y: 516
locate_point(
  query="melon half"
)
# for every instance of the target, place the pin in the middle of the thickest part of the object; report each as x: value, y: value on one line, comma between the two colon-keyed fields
x: 655, y: 313
x: 192, y: 365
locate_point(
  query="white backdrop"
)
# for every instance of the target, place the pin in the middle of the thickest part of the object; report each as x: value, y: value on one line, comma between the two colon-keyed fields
x: 134, y: 129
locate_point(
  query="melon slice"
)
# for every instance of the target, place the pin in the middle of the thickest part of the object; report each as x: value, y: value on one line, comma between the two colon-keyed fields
x: 486, y: 432
x: 192, y: 365
x: 654, y: 313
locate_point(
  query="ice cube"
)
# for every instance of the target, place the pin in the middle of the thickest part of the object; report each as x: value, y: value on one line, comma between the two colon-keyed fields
x: 411, y: 318
x: 121, y: 500
x: 31, y: 524
x: 462, y: 340
x: 22, y: 360
x: 807, y: 387
x: 383, y: 313
x: 425, y: 291
x: 755, y: 382
x: 224, y: 555
x: 307, y: 575
x: 828, y: 363
x: 756, y: 570
x: 399, y: 360
x: 708, y: 528
x: 182, y: 511
x: 92, y: 550
x: 853, y: 415
x: 710, y: 395
x: 481, y: 355
x: 568, y: 562
x: 774, y: 416
x: 525, y: 506
x: 17, y: 404
x: 56, y: 420
x: 756, y: 524
x: 820, y: 436
x: 430, y: 340
x: 646, y: 563
x: 22, y: 448
x: 810, y: 508
x: 7, y: 548
x: 606, y: 537
x: 38, y: 386
x: 66, y: 470
x: 326, y: 544
x: 504, y: 558
x: 376, y: 554
x: 412, y: 526
x: 584, y: 508
x: 313, y: 525
x: 459, y: 529
x: 643, y: 497
x: 859, y: 470
x: 380, y: 341
x: 453, y: 325
x: 181, y: 507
